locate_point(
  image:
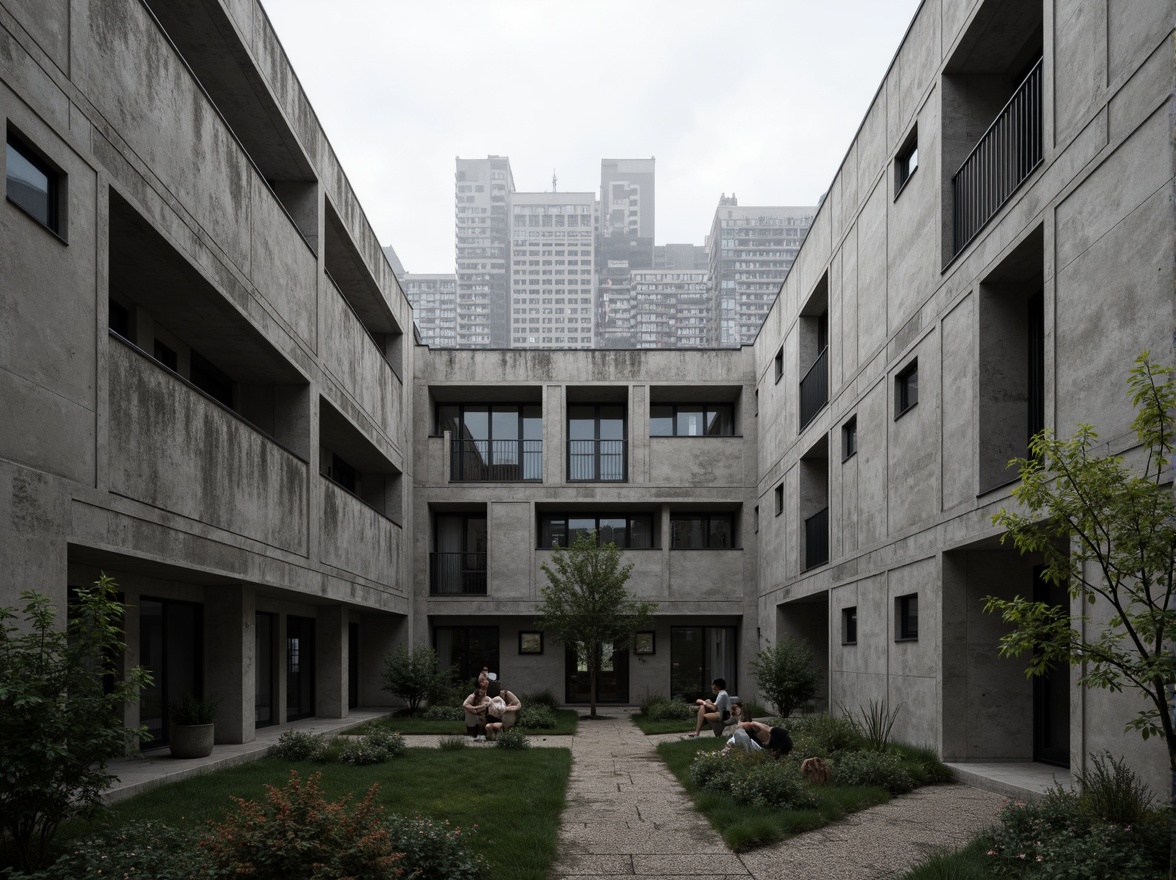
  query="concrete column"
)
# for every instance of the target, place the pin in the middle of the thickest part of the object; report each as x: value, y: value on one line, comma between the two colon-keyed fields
x: 230, y: 640
x: 330, y: 690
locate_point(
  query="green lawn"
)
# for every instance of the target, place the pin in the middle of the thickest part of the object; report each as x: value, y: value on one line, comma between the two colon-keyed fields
x: 746, y: 827
x: 565, y: 725
x: 514, y: 797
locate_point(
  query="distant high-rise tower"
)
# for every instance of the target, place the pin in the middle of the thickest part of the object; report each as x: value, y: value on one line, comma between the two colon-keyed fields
x: 481, y: 200
x: 750, y: 251
x: 551, y: 269
x: 626, y: 243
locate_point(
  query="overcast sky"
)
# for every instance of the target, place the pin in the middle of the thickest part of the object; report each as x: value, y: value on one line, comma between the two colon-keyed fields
x: 756, y: 97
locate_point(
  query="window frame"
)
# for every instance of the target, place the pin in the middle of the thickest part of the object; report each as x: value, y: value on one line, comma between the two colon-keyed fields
x: 779, y: 364
x: 55, y: 184
x: 546, y: 519
x: 849, y: 438
x: 906, y: 391
x: 708, y: 518
x: 906, y: 618
x: 849, y: 633
x: 708, y: 410
x: 779, y: 499
x: 904, y: 170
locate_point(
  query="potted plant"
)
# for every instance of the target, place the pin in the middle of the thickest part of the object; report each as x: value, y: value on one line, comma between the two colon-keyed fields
x: 192, y: 729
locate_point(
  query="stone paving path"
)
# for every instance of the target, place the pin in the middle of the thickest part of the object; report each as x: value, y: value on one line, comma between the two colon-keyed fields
x: 627, y: 815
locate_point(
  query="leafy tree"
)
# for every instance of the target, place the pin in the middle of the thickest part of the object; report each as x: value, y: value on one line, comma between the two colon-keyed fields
x: 61, y: 699
x: 414, y: 676
x: 786, y: 675
x: 586, y: 604
x: 1107, y: 530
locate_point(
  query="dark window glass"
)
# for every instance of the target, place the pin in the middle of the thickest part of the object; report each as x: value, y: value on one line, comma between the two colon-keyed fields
x: 627, y: 532
x: 779, y: 499
x: 849, y: 626
x: 342, y: 473
x: 701, y: 531
x: 468, y: 648
x: 906, y: 388
x: 849, y: 439
x: 907, y: 612
x: 32, y: 184
x: 166, y: 356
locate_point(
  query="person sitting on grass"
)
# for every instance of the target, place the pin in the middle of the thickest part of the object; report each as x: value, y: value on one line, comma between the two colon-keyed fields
x: 710, y: 711
x: 501, y: 713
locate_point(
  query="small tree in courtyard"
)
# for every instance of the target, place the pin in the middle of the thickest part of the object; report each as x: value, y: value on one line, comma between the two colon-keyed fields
x: 786, y: 675
x: 414, y: 676
x: 586, y: 605
x: 1107, y: 531
x: 62, y: 693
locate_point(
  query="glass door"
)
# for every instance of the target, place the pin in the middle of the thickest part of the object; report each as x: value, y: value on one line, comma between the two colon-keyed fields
x: 263, y: 670
x: 612, y: 683
x: 299, y: 668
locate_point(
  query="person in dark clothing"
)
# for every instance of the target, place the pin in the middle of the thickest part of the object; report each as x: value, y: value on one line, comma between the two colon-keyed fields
x: 755, y: 736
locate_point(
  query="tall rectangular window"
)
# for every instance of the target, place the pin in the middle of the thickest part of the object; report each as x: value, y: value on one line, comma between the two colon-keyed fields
x: 780, y: 364
x: 906, y: 618
x: 33, y: 185
x: 849, y: 439
x: 907, y: 161
x: 906, y: 388
x: 849, y: 626
x: 779, y: 499
x: 597, y: 443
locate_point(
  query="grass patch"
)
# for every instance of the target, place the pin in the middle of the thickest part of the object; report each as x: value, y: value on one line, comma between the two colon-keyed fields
x: 565, y: 725
x: 969, y: 863
x: 518, y: 835
x: 669, y: 725
x: 744, y: 826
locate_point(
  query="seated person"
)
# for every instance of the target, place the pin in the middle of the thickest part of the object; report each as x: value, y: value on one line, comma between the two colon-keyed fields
x: 755, y: 736
x: 476, y: 705
x: 710, y: 711
x: 501, y: 713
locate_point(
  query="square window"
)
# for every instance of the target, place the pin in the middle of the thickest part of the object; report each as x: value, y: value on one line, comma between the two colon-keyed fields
x: 779, y: 499
x: 906, y: 161
x: 849, y: 626
x: 33, y: 185
x: 849, y: 439
x: 906, y: 388
x: 906, y: 618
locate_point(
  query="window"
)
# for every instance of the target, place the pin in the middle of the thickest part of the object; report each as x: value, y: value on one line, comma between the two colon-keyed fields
x: 467, y: 648
x: 779, y: 499
x: 780, y: 364
x: 906, y: 161
x: 458, y: 564
x: 33, y: 185
x: 702, y: 531
x: 597, y: 442
x: 906, y: 614
x: 700, y: 654
x: 499, y: 442
x: 757, y: 519
x: 849, y: 626
x: 849, y: 439
x: 906, y: 388
x: 627, y: 531
x: 691, y: 420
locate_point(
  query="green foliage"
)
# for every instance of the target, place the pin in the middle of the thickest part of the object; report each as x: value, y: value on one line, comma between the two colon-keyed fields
x: 586, y: 604
x: 377, y: 747
x: 541, y: 698
x: 755, y: 779
x: 1106, y: 531
x: 512, y: 739
x: 824, y: 736
x: 923, y: 764
x: 435, y: 850
x: 297, y: 834
x: 452, y: 743
x: 1058, y: 837
x: 874, y: 722
x: 942, y: 864
x: 881, y: 769
x: 148, y: 850
x: 1113, y: 792
x: 536, y: 717
x: 300, y: 745
x: 413, y: 676
x: 189, y: 709
x: 61, y: 701
x: 392, y: 743
x: 443, y: 713
x: 786, y: 675
x: 662, y: 709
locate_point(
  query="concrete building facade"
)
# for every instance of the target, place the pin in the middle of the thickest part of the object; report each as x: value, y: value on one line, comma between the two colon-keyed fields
x: 213, y: 398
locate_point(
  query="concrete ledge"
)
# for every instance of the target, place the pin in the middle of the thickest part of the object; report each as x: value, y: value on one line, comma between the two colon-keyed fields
x: 1018, y: 780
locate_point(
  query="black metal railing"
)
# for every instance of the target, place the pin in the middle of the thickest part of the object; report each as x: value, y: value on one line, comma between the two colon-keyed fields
x: 816, y: 539
x: 1006, y: 154
x: 814, y: 388
x: 601, y: 461
x: 496, y: 460
x: 457, y: 574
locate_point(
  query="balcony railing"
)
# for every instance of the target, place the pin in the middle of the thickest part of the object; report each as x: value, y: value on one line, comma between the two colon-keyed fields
x: 496, y: 460
x: 457, y: 574
x: 1006, y: 155
x: 814, y: 388
x: 816, y: 539
x: 603, y: 461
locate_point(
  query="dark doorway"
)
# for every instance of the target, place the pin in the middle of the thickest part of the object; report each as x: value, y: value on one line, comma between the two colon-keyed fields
x: 352, y: 665
x: 699, y: 655
x: 1051, y: 692
x: 612, y: 685
x: 171, y: 643
x: 299, y: 668
x: 263, y: 671
x: 467, y: 649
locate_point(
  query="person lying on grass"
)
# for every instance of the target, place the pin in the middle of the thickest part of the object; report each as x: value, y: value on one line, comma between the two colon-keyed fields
x: 755, y: 736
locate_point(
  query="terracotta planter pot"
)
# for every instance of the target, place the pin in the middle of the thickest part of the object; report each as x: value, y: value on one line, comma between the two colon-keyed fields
x: 191, y: 740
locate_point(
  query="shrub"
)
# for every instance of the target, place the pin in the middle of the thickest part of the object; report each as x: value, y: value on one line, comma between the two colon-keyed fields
x: 512, y: 739
x: 391, y: 742
x: 1112, y: 792
x: 765, y: 782
x: 670, y: 710
x: 541, y: 698
x: 444, y: 713
x: 297, y: 834
x: 59, y: 724
x: 537, y: 717
x: 924, y: 765
x: 874, y: 722
x: 413, y: 676
x: 1060, y: 838
x: 149, y: 850
x: 714, y: 771
x: 881, y: 769
x: 360, y: 752
x: 786, y: 675
x: 823, y: 735
x: 452, y: 743
x: 299, y: 745
x: 435, y: 850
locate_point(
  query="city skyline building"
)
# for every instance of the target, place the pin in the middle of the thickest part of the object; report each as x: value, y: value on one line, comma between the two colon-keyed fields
x: 627, y: 209
x: 481, y: 250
